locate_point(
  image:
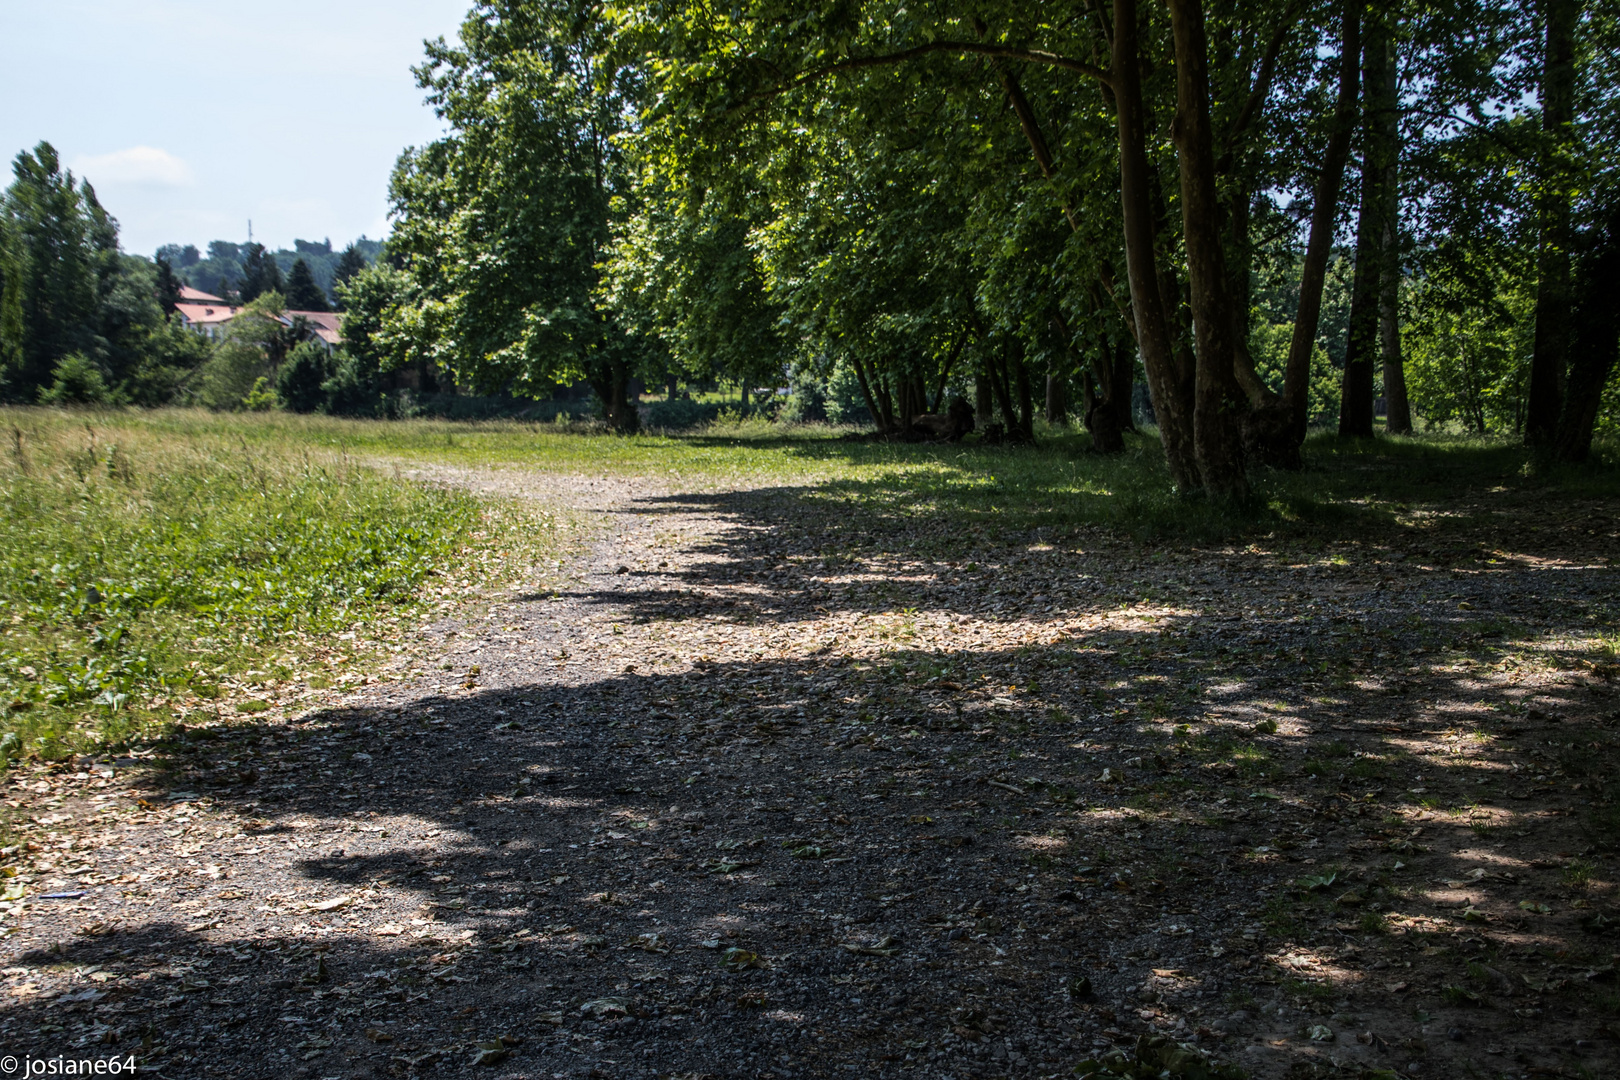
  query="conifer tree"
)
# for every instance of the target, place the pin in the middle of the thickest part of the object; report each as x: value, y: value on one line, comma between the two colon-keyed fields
x: 303, y: 294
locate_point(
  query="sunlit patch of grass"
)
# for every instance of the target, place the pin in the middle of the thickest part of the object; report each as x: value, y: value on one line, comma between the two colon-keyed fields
x: 1578, y: 873
x: 1373, y: 922
x: 145, y: 565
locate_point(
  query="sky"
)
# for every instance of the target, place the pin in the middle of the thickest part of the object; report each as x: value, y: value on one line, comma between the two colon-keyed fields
x: 192, y: 118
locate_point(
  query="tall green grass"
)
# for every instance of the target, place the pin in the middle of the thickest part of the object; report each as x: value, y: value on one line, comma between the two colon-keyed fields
x: 138, y: 563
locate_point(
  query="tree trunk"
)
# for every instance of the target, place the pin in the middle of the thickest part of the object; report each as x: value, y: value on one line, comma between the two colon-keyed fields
x: 612, y: 385
x: 672, y: 386
x: 866, y: 392
x: 1297, y: 380
x: 1026, y: 399
x: 1551, y: 354
x: 1057, y: 408
x: 983, y: 408
x: 1170, y: 407
x: 1595, y: 340
x: 1361, y: 346
x: 1219, y: 404
x: 1240, y: 256
x: 1122, y: 384
x: 1003, y: 392
x: 742, y: 394
x: 1102, y: 413
x: 1397, y: 408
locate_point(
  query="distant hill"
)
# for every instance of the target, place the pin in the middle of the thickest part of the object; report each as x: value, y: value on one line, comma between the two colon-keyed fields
x: 223, y: 259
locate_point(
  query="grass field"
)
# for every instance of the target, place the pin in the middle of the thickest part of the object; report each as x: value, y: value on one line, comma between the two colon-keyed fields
x: 150, y: 557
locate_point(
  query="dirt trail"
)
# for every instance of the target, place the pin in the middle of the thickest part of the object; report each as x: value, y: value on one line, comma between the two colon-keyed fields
x: 771, y: 788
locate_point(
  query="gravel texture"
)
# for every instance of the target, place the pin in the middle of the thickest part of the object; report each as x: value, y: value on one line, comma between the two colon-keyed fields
x: 765, y: 786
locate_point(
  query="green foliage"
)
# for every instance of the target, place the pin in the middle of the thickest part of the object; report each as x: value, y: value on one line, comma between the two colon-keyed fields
x: 302, y: 292
x: 76, y: 380
x: 502, y: 223
x: 300, y: 381
x: 260, y: 273
x: 229, y: 375
x: 1468, y: 351
x: 140, y: 561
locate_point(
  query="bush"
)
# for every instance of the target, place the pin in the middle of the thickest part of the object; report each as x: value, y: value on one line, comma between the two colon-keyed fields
x: 229, y: 375
x: 77, y: 380
x: 300, y: 384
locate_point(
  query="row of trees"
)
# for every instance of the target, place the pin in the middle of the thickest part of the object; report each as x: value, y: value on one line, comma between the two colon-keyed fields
x: 81, y: 322
x: 244, y: 271
x: 1029, y: 201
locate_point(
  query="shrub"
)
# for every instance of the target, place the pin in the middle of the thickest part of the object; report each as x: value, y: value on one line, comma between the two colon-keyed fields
x: 229, y: 375
x: 77, y: 380
x: 300, y: 382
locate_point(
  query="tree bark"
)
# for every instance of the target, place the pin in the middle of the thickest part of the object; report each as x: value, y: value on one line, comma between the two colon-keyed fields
x: 866, y: 392
x: 1237, y: 287
x: 1397, y: 407
x: 1057, y: 409
x: 1026, y: 399
x: 613, y: 387
x: 1297, y: 380
x: 1551, y: 352
x: 1594, y: 341
x: 983, y: 407
x: 1148, y: 304
x: 1361, y: 346
x: 1003, y: 391
x: 1102, y: 412
x: 1218, y: 404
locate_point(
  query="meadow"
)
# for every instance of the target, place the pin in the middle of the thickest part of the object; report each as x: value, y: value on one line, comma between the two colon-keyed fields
x: 150, y: 560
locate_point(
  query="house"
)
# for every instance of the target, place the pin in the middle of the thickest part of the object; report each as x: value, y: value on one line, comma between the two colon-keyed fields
x: 210, y: 319
x: 327, y: 325
x: 207, y: 319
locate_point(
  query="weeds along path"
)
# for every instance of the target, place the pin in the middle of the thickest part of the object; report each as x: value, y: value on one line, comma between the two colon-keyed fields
x: 776, y: 786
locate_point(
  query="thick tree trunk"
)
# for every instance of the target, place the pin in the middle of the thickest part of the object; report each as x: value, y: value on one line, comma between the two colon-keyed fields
x: 1219, y: 405
x: 742, y: 393
x: 612, y: 385
x: 1397, y: 407
x: 1297, y: 380
x: 1171, y: 408
x: 1377, y: 156
x: 1551, y: 354
x: 1594, y: 341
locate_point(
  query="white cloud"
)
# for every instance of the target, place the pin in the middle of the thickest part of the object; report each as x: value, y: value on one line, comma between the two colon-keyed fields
x: 137, y: 165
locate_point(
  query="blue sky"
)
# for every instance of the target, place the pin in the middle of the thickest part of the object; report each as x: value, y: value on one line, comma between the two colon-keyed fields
x: 191, y: 118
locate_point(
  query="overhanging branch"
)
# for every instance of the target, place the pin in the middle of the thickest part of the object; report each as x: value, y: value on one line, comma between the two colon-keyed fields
x: 1008, y: 52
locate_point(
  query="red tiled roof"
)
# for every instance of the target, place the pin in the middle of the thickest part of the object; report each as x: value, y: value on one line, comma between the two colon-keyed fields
x: 207, y: 313
x: 328, y: 325
x: 197, y: 296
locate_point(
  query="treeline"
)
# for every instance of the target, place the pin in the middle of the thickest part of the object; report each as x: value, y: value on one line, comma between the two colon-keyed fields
x: 1274, y: 214
x: 309, y: 274
x: 81, y: 322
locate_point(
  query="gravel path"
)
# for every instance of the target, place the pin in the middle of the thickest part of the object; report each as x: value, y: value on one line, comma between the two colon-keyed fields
x: 770, y: 788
